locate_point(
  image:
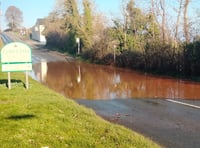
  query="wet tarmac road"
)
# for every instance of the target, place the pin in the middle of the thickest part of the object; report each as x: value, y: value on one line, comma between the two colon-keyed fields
x: 172, y: 125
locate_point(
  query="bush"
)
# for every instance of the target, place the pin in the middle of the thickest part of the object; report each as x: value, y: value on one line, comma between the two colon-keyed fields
x: 192, y: 59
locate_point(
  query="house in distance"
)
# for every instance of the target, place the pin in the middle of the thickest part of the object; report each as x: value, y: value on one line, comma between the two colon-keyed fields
x: 37, y: 31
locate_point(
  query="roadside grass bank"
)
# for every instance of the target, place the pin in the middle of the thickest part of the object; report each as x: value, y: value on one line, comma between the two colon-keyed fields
x: 39, y: 117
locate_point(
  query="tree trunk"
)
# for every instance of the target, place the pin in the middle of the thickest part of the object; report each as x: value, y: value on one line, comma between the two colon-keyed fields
x: 153, y: 13
x: 186, y: 29
x: 163, y: 27
x: 177, y: 22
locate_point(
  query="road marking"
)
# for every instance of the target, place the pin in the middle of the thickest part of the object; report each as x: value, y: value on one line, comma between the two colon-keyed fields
x: 182, y: 103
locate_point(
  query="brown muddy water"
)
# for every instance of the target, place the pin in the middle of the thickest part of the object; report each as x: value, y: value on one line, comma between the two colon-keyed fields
x: 78, y: 80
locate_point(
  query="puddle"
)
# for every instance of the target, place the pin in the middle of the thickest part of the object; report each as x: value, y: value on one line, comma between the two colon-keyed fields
x: 88, y: 81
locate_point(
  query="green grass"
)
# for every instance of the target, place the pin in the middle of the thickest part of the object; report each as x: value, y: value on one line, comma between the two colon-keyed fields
x: 39, y: 117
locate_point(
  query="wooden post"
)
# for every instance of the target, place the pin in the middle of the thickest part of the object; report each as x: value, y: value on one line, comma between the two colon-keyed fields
x: 27, y: 80
x: 9, y: 81
x: 114, y: 53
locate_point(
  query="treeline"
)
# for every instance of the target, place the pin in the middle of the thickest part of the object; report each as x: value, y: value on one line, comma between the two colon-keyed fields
x: 140, y: 39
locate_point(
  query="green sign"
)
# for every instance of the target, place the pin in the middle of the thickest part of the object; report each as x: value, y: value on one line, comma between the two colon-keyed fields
x: 16, y: 56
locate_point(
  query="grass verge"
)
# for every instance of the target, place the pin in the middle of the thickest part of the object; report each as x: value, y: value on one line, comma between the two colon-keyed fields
x: 39, y: 117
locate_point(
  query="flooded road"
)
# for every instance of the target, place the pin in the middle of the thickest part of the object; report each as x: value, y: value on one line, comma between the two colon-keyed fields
x: 170, y: 124
x: 87, y: 81
x: 111, y: 93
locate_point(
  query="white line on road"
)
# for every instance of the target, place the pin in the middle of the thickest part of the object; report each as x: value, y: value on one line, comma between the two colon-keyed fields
x: 185, y: 104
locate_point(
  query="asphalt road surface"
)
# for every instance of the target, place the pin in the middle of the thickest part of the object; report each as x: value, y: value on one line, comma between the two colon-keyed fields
x: 172, y: 124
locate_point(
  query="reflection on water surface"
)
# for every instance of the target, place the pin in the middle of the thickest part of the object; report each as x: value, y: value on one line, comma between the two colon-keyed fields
x: 86, y: 81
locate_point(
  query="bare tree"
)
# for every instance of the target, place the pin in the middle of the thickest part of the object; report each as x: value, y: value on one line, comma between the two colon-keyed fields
x: 59, y: 8
x: 178, y: 20
x: 153, y: 12
x: 14, y: 17
x: 163, y: 27
x: 186, y: 27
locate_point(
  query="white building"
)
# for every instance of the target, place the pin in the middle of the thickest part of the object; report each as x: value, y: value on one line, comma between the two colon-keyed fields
x: 37, y: 31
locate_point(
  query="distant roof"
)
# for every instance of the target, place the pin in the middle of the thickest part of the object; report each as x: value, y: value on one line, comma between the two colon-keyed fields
x: 40, y: 21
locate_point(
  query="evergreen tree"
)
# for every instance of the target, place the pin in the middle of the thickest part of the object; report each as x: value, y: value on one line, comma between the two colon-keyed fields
x: 72, y: 24
x: 87, y: 28
x: 71, y: 15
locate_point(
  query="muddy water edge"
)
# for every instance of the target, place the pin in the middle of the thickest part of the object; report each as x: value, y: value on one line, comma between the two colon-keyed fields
x: 79, y: 80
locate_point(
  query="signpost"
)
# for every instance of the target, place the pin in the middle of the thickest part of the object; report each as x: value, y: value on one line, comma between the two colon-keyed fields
x: 16, y: 57
x: 78, y: 43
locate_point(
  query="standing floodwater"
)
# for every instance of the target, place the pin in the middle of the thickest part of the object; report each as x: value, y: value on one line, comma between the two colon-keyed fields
x: 87, y: 81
